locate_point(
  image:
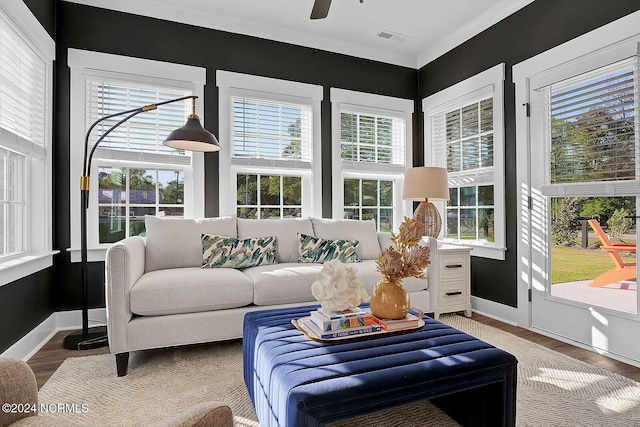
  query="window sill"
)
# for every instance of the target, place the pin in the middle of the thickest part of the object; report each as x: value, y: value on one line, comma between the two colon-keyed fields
x: 17, y: 268
x: 95, y: 254
x: 479, y: 250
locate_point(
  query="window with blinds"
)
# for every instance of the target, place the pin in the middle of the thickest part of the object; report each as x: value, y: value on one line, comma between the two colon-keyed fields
x: 268, y: 129
x: 372, y: 138
x: 462, y: 138
x: 144, y: 132
x: 371, y: 142
x: 590, y: 130
x: 22, y: 86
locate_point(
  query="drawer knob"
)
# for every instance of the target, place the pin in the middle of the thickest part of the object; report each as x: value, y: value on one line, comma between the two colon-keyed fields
x: 453, y: 266
x: 449, y: 294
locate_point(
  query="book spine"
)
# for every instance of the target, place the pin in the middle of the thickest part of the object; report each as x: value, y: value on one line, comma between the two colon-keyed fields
x: 350, y: 332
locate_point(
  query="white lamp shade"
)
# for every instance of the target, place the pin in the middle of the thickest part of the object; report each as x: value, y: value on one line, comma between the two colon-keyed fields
x: 423, y: 183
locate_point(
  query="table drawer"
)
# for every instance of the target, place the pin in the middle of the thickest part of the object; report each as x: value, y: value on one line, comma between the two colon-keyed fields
x: 453, y: 266
x: 452, y: 294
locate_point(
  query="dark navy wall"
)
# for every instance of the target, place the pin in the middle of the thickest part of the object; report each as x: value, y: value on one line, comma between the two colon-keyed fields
x: 536, y: 28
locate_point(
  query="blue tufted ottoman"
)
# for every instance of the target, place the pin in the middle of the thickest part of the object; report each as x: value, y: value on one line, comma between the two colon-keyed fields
x: 295, y: 382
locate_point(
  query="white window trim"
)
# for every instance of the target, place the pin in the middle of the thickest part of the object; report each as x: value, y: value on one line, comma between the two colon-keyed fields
x: 376, y: 104
x: 229, y: 84
x: 492, y: 79
x: 81, y: 60
x: 605, y: 45
x: 39, y: 238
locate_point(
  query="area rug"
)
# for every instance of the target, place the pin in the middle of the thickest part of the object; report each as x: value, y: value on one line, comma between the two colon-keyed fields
x: 553, y: 389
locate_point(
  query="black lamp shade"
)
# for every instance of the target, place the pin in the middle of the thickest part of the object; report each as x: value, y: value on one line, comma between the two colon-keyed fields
x: 193, y: 137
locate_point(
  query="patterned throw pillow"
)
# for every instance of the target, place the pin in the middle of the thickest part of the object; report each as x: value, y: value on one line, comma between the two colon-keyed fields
x: 315, y: 249
x: 229, y: 252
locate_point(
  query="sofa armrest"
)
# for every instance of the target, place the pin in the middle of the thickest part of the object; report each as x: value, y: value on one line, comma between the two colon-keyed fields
x: 385, y: 240
x: 17, y: 386
x: 206, y: 414
x: 124, y: 265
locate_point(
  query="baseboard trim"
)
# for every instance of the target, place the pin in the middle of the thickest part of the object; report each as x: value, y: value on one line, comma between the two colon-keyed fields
x: 33, y: 341
x: 608, y: 354
x: 497, y: 311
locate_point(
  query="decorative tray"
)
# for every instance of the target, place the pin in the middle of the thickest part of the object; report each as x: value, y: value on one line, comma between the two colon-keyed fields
x: 309, y: 333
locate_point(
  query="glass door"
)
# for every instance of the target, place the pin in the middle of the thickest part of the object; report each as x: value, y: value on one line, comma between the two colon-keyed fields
x: 585, y: 183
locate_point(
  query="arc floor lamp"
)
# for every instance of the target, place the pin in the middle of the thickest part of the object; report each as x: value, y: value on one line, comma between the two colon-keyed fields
x: 192, y: 136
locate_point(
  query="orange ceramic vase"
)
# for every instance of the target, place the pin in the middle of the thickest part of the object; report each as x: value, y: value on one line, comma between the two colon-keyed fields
x: 390, y: 300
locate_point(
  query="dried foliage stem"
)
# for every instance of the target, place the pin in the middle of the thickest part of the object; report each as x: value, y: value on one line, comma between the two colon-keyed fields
x: 405, y: 258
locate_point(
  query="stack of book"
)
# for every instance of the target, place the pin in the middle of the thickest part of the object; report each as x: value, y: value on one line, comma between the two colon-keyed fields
x: 409, y: 321
x: 336, y: 324
x: 354, y: 321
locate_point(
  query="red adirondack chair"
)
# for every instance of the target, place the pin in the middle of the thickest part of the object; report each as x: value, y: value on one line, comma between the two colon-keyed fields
x: 623, y: 270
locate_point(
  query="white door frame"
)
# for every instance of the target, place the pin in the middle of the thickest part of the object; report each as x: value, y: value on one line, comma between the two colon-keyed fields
x: 604, y: 326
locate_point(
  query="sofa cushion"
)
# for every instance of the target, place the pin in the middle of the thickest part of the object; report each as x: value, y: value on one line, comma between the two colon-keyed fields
x: 229, y: 252
x: 350, y: 229
x: 283, y: 283
x: 176, y: 242
x: 314, y: 249
x: 285, y: 231
x: 190, y: 290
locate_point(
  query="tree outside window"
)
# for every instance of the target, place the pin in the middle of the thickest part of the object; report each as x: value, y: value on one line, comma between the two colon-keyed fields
x: 126, y: 195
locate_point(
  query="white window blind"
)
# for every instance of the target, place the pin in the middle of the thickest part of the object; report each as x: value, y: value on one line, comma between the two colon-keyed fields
x: 22, y: 89
x: 268, y: 129
x: 372, y: 138
x: 590, y: 130
x: 144, y: 132
x: 462, y: 141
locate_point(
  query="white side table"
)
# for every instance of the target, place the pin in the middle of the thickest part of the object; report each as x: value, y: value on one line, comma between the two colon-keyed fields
x: 454, y: 280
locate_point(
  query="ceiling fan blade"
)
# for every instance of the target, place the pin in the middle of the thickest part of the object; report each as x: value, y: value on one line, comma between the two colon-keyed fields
x: 320, y: 9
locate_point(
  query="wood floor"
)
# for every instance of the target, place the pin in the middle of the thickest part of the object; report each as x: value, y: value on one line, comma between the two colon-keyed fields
x: 51, y: 355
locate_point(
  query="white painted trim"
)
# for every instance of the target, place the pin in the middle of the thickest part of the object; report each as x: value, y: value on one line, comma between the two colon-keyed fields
x: 595, y: 44
x: 486, y: 83
x: 83, y: 63
x: 232, y: 84
x: 143, y: 67
x: 483, y: 21
x: 229, y: 79
x: 33, y: 341
x: 20, y: 15
x: 364, y: 99
x: 363, y: 102
x: 17, y: 268
x: 495, y: 310
x: 615, y: 356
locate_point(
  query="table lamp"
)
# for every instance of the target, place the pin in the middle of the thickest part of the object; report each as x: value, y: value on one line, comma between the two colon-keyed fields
x: 422, y: 184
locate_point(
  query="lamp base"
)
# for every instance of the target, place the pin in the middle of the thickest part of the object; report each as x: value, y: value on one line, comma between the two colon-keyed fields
x: 94, y: 338
x: 427, y: 214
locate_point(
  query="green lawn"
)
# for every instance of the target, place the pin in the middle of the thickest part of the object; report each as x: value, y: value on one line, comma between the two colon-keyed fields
x: 573, y: 264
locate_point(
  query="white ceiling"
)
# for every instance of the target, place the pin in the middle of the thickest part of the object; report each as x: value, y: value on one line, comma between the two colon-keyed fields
x: 430, y: 27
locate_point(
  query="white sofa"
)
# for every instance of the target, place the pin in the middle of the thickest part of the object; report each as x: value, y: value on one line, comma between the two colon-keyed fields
x: 158, y: 294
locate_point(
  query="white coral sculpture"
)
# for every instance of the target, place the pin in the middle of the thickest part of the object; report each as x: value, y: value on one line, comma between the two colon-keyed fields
x: 338, y: 288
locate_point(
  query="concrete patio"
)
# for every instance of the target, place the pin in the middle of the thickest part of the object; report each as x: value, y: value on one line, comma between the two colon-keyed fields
x: 620, y: 296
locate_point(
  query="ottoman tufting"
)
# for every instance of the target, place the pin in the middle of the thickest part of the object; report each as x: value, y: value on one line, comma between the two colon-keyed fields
x: 295, y: 382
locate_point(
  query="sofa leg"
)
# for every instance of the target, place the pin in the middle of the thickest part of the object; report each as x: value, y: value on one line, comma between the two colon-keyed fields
x: 122, y: 363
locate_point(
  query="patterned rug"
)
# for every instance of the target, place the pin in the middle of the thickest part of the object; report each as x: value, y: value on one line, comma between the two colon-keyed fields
x: 553, y: 389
